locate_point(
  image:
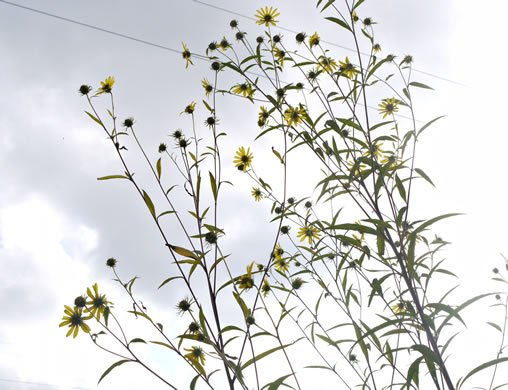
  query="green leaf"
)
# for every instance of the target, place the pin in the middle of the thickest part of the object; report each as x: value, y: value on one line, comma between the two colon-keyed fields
x: 159, y: 168
x: 400, y: 187
x: 431, y: 221
x: 163, y: 344
x: 339, y: 22
x: 275, y: 385
x: 495, y: 326
x: 419, y: 85
x: 424, y: 175
x: 358, y: 4
x: 113, y: 177
x: 169, y: 280
x: 429, y: 123
x: 118, y: 363
x: 355, y: 227
x: 264, y: 354
x: 95, y: 119
x: 213, y: 183
x: 164, y: 213
x: 350, y: 123
x: 448, y: 309
x: 149, y: 203
x: 137, y: 340
x: 193, y: 382
x: 482, y: 367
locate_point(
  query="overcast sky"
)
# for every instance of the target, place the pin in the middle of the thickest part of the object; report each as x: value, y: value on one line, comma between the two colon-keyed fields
x: 58, y: 224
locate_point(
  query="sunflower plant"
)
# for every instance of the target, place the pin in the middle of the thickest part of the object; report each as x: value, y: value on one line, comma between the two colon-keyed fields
x: 358, y: 295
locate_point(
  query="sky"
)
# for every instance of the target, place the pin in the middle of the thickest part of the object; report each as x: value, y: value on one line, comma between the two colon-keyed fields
x: 58, y: 224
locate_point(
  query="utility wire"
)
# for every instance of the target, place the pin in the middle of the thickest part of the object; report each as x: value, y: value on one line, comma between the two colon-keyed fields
x: 155, y: 44
x: 322, y: 40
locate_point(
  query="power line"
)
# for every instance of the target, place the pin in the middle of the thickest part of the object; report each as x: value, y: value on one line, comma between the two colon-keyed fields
x: 155, y: 44
x: 322, y: 40
x: 93, y: 27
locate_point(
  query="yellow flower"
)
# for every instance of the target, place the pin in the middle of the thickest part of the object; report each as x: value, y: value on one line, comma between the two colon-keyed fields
x: 195, y: 355
x: 392, y: 160
x: 399, y: 307
x: 359, y: 169
x: 278, y: 252
x: 282, y: 264
x: 347, y: 68
x: 376, y: 48
x: 98, y: 302
x: 244, y: 89
x: 314, y: 40
x: 267, y: 16
x: 355, y: 17
x: 257, y: 194
x: 388, y: 106
x: 189, y: 109
x: 263, y: 114
x: 265, y: 288
x: 224, y: 44
x: 294, y: 115
x: 186, y: 55
x: 327, y: 63
x: 106, y: 85
x: 243, y: 159
x: 308, y: 232
x: 74, y: 318
x: 207, y: 86
x: 280, y: 55
x: 246, y: 282
x: 375, y: 151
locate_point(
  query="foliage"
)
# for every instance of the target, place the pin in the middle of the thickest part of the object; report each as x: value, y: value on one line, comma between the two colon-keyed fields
x: 358, y: 286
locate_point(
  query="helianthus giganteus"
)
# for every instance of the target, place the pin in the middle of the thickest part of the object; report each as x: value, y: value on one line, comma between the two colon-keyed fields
x: 186, y: 55
x: 243, y: 159
x: 267, y: 16
x: 388, y: 106
x: 195, y: 355
x: 244, y: 89
x: 74, y: 318
x: 327, y: 63
x: 98, y: 302
x: 314, y: 40
x: 294, y: 115
x: 207, y: 86
x: 246, y: 282
x: 308, y: 232
x: 347, y: 68
x: 106, y: 85
x: 257, y: 194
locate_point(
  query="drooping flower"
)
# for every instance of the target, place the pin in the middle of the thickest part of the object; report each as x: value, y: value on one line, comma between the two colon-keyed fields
x: 224, y: 44
x: 294, y: 115
x: 189, y: 109
x: 263, y: 114
x: 355, y: 17
x: 265, y: 288
x: 246, y: 282
x: 106, y: 85
x: 267, y: 16
x: 280, y: 55
x: 399, y: 307
x: 282, y: 264
x: 327, y: 63
x: 308, y: 232
x: 186, y: 55
x: 388, y: 106
x: 278, y: 252
x: 314, y: 40
x: 195, y: 355
x: 244, y: 89
x: 243, y: 159
x: 376, y: 48
x: 375, y: 151
x: 207, y: 86
x: 347, y: 68
x: 74, y: 318
x: 97, y: 303
x: 257, y: 194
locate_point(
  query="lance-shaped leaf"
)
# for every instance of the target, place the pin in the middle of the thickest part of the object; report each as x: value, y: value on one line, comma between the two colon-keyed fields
x: 184, y: 252
x: 118, y: 363
x: 149, y: 203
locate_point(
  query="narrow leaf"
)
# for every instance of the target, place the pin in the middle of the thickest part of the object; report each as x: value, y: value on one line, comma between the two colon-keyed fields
x: 118, y: 363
